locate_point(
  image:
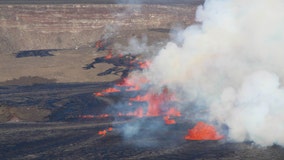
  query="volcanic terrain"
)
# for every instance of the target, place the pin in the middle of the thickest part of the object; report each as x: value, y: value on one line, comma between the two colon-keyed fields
x: 61, y: 66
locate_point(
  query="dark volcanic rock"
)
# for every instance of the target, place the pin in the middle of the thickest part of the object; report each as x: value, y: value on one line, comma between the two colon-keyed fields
x: 32, y: 53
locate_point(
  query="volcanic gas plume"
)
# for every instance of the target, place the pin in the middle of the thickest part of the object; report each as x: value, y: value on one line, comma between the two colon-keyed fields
x: 224, y: 70
x: 230, y: 63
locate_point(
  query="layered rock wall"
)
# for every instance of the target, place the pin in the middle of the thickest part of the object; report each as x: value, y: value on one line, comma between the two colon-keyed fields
x: 27, y: 27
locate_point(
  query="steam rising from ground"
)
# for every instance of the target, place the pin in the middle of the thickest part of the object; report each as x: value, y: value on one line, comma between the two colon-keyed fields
x: 232, y: 63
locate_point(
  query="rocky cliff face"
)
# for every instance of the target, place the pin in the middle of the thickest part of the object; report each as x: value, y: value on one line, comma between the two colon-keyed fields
x: 26, y: 27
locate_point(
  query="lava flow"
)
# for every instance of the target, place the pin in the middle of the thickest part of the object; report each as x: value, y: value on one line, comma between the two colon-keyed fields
x: 109, y: 55
x: 108, y: 90
x: 168, y: 120
x: 105, y: 131
x: 203, y: 131
x: 157, y: 104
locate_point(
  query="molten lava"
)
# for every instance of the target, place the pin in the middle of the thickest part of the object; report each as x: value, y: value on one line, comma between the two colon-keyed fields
x: 144, y: 65
x: 108, y: 56
x: 156, y: 102
x: 103, y: 115
x: 99, y: 94
x: 110, y: 90
x: 140, y: 98
x: 203, y: 131
x: 173, y: 112
x: 104, y: 132
x: 125, y: 82
x: 169, y: 121
x: 154, y: 108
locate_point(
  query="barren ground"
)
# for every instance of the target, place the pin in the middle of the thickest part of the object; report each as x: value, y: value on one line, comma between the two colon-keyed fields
x: 42, y: 98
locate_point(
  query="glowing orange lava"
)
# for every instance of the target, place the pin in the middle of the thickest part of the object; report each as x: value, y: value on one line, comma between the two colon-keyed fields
x: 203, y: 131
x: 110, y: 90
x: 139, y: 98
x: 155, y: 103
x: 173, y: 112
x: 104, y: 132
x: 144, y: 65
x: 168, y: 120
x: 108, y: 56
x: 103, y: 115
x: 99, y: 94
x: 125, y: 82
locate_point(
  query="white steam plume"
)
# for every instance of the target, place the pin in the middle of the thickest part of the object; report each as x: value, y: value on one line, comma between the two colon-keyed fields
x: 231, y: 62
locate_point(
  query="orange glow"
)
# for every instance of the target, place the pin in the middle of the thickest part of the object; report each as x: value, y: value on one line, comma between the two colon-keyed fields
x: 125, y: 83
x: 110, y: 90
x: 86, y: 116
x: 168, y: 120
x: 108, y: 56
x: 128, y: 83
x: 173, y: 112
x: 103, y: 132
x: 139, y: 98
x: 99, y: 94
x: 203, y: 131
x: 155, y: 102
x: 133, y: 83
x: 144, y: 65
x: 103, y: 115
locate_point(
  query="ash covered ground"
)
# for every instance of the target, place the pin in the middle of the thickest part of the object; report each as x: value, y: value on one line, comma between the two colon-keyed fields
x: 48, y: 109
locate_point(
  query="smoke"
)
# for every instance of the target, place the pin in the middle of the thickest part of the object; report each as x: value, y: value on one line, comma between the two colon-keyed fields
x: 231, y: 63
x: 138, y: 46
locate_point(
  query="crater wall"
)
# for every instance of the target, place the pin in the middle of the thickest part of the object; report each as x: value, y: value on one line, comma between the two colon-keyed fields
x: 63, y: 26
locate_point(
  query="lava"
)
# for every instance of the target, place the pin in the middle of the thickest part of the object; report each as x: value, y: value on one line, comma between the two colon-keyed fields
x: 105, y: 131
x: 140, y: 98
x: 173, y: 112
x: 144, y: 65
x: 203, y: 131
x: 169, y: 121
x: 99, y: 94
x: 103, y: 115
x: 108, y: 90
x: 125, y: 82
x: 109, y: 56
